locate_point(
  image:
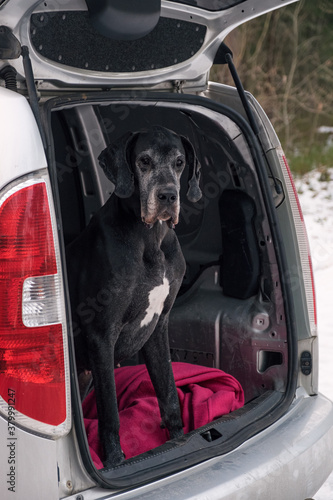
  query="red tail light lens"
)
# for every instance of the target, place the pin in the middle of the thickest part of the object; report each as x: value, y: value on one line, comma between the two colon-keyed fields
x: 33, y: 345
x: 303, y: 243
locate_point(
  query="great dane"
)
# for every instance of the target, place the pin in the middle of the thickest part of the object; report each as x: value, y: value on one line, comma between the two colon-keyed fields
x: 125, y: 270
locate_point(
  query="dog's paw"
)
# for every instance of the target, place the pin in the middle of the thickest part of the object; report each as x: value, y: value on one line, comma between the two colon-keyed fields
x: 176, y: 433
x: 114, y: 460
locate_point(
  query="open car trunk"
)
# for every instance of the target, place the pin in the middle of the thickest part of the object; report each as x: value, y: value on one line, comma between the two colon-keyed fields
x: 232, y: 312
x: 242, y: 331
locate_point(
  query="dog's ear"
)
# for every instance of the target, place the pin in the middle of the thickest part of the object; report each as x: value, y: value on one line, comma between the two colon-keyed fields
x: 115, y: 164
x: 194, y: 192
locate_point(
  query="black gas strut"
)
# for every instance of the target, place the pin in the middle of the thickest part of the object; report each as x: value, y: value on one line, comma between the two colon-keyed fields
x: 224, y: 56
x: 10, y: 48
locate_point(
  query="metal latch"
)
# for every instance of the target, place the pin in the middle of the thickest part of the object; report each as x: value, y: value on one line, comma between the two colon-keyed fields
x: 178, y: 86
x: 306, y: 362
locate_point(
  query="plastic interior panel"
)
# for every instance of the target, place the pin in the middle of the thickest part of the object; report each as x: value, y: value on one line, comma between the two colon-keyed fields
x: 124, y: 20
x: 232, y: 330
x: 69, y: 39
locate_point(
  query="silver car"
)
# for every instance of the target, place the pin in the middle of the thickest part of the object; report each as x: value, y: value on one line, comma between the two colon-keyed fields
x: 76, y: 75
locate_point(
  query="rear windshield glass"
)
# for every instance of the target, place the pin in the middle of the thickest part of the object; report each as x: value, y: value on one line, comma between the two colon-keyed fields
x: 211, y: 4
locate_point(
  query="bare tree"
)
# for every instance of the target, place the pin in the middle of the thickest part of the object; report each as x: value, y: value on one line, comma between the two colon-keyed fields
x: 285, y: 60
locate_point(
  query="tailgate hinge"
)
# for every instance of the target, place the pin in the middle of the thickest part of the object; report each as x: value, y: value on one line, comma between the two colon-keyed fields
x: 178, y: 86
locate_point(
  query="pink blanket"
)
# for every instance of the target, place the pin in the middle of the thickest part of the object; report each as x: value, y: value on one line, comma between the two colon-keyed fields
x: 204, y: 395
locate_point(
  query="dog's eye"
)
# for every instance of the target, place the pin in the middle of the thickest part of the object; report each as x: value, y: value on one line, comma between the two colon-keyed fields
x: 144, y: 162
x: 179, y: 162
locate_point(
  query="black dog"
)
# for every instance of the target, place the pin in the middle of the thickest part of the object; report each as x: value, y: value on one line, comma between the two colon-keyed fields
x: 128, y: 264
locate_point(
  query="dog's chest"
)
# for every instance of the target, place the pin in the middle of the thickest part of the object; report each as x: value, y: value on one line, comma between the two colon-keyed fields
x: 156, y: 299
x: 146, y: 304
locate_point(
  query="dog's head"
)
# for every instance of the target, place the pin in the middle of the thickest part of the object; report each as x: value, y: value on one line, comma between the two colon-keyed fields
x: 153, y: 160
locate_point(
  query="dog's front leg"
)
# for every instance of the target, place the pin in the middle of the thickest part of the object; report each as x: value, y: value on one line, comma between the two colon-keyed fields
x: 156, y: 354
x: 102, y: 363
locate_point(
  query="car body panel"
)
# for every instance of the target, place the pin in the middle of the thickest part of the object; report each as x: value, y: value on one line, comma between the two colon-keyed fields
x: 290, y: 448
x: 28, y: 465
x: 22, y: 149
x: 218, y: 24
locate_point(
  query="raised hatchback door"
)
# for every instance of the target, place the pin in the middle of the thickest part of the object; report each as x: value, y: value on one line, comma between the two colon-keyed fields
x: 69, y: 47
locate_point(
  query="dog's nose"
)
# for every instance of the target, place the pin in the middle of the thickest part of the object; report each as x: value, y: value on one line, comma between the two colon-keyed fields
x: 167, y: 196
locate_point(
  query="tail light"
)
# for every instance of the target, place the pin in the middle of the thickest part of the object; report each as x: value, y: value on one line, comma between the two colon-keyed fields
x: 34, y: 374
x: 303, y: 242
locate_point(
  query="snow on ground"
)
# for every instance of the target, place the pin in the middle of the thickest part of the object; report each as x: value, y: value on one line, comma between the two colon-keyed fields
x: 315, y: 191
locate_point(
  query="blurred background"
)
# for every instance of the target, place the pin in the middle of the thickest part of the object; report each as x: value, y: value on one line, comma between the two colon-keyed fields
x: 285, y: 59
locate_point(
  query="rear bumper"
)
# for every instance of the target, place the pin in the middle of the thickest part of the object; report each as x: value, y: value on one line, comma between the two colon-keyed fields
x: 290, y: 460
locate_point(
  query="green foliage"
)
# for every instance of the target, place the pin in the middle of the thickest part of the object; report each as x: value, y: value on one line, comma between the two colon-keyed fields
x: 315, y: 157
x: 285, y: 59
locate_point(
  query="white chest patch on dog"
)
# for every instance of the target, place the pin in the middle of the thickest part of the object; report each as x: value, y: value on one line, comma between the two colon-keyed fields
x: 156, y: 299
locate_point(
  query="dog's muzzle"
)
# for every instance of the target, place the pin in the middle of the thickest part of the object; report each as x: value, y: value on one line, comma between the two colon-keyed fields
x: 166, y: 208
